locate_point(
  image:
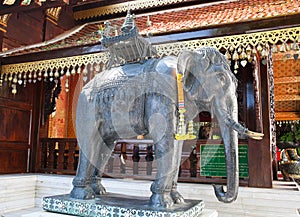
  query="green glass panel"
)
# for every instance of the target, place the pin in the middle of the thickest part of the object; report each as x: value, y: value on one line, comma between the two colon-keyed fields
x: 212, y: 160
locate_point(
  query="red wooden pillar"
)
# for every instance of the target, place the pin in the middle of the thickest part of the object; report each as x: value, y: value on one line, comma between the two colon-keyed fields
x: 259, y: 152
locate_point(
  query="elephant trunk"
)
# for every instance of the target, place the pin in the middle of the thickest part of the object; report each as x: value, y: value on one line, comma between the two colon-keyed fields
x: 230, y: 129
x: 230, y: 140
x: 232, y: 170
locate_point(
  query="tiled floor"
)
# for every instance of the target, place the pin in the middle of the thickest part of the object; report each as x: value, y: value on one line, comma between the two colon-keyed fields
x: 19, y: 213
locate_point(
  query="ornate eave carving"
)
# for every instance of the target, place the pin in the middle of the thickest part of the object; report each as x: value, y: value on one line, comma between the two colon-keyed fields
x: 239, y: 49
x: 122, y: 7
x: 53, y: 14
x: 3, y: 22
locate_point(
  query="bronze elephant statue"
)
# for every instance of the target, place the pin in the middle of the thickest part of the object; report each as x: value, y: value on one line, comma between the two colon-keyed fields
x: 141, y: 99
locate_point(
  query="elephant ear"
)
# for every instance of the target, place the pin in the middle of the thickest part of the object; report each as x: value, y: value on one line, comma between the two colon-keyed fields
x: 223, y: 79
x: 186, y: 66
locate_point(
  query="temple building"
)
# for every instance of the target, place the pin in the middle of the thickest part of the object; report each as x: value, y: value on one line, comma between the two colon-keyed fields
x: 50, y: 49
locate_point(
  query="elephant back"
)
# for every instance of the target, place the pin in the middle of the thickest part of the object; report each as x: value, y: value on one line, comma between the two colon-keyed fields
x: 118, y: 77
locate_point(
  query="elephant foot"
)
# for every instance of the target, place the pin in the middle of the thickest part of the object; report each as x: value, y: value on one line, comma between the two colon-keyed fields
x: 98, y: 188
x: 83, y: 193
x: 177, y: 197
x: 163, y: 200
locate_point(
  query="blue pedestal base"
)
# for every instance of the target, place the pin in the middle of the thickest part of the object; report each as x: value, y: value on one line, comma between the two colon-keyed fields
x: 115, y: 205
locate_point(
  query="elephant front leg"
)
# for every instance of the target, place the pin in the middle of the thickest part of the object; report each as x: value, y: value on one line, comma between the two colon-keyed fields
x: 176, y: 196
x: 162, y: 186
x: 82, y: 182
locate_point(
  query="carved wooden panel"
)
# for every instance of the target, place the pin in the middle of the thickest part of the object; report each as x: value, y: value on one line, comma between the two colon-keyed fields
x: 13, y: 161
x: 14, y: 125
x: 18, y: 128
x: 287, y: 87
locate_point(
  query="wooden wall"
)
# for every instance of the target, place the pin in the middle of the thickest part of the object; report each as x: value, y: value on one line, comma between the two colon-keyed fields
x: 33, y: 26
x: 18, y: 127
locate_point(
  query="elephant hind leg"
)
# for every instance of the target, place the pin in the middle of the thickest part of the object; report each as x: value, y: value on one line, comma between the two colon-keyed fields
x: 175, y: 195
x: 105, y: 151
x: 97, y: 186
x: 82, y: 182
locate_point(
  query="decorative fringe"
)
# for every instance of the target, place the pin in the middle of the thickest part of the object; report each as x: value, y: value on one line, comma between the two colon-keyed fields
x: 181, y: 130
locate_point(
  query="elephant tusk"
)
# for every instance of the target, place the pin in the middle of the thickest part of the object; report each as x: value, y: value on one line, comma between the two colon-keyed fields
x: 122, y: 159
x: 243, y: 130
x: 255, y: 135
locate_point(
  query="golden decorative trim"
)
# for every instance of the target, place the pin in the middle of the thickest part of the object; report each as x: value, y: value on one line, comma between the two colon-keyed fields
x: 122, y: 7
x: 239, y: 48
x: 53, y: 14
x: 2, y: 30
x: 232, y: 43
x: 52, y: 64
x: 4, y: 19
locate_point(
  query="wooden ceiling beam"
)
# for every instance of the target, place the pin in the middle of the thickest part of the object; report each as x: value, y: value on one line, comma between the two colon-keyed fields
x: 32, y: 6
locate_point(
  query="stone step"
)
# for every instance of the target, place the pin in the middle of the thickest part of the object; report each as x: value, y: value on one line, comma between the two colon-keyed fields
x: 281, y: 200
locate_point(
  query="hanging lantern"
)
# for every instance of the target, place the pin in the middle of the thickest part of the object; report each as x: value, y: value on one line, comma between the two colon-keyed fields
x: 1, y: 80
x: 15, y: 79
x: 29, y: 76
x: 243, y: 55
x: 51, y: 73
x: 56, y: 74
x: 85, y: 72
x: 227, y: 54
x: 235, y: 55
x: 248, y: 49
x: 78, y: 70
x: 295, y: 46
x: 24, y: 76
x: 264, y: 53
x: 68, y: 73
x: 259, y: 48
x: 274, y: 48
x: 73, y: 72
x: 10, y: 78
x: 236, y: 66
x: 67, y: 85
x: 20, y: 81
x: 239, y: 49
x: 46, y: 74
x: 40, y: 75
x: 250, y: 58
x: 14, y: 89
x: 282, y: 47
